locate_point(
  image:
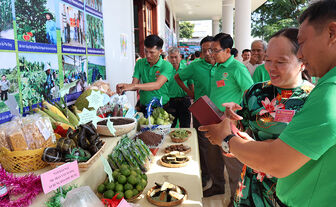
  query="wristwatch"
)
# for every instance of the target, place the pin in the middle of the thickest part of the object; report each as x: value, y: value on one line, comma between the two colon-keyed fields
x: 225, y: 143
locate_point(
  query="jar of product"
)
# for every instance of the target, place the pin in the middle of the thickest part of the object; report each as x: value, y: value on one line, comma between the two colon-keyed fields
x: 3, y: 192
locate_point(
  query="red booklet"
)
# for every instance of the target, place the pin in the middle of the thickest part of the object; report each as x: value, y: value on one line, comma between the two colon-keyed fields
x: 206, y: 112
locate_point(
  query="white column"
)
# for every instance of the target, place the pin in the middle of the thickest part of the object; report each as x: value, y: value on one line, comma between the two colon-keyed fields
x: 242, y: 25
x: 227, y: 16
x: 215, y: 27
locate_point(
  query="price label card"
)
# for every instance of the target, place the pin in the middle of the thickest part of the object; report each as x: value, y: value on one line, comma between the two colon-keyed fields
x: 284, y: 115
x: 59, y: 176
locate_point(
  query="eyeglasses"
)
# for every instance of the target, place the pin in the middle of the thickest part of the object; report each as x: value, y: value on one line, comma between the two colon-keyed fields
x: 215, y: 51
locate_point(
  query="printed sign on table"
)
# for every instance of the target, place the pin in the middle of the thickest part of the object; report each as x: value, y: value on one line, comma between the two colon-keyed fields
x: 59, y: 176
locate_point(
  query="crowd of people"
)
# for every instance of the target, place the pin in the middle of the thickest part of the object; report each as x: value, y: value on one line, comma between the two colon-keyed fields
x: 278, y: 140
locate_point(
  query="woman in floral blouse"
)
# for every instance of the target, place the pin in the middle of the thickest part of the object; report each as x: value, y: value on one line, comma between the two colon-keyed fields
x: 267, y: 108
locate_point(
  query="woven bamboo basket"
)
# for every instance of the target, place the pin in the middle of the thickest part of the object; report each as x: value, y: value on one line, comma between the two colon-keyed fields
x: 120, y: 129
x: 22, y: 161
x: 178, y: 139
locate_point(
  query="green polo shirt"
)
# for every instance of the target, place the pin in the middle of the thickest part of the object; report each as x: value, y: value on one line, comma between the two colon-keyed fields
x: 200, y: 72
x: 147, y: 74
x: 260, y: 74
x: 175, y: 91
x: 312, y: 132
x: 229, y: 83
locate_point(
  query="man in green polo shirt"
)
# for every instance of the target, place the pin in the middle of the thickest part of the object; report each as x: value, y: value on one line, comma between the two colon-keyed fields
x: 150, y: 74
x: 304, y: 155
x: 199, y: 71
x: 229, y: 82
x: 179, y: 101
x: 261, y: 74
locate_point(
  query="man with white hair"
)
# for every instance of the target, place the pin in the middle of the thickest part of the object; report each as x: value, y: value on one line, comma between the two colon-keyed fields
x: 179, y: 101
x: 258, y: 51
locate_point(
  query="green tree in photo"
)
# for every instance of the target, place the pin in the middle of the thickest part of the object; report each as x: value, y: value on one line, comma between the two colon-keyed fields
x: 95, y: 32
x: 186, y: 29
x: 274, y: 15
x: 6, y: 16
x: 30, y: 20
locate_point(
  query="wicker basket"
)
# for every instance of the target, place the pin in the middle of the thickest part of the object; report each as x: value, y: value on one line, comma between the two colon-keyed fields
x: 120, y: 129
x: 22, y: 161
x: 178, y: 139
x: 83, y: 166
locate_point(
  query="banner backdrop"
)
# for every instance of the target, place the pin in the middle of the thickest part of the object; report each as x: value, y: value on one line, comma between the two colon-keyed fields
x: 45, y: 44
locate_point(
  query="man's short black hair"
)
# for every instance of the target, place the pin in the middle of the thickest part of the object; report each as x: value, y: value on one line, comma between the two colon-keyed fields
x: 234, y: 52
x: 197, y: 54
x: 152, y: 41
x: 207, y: 39
x: 246, y: 50
x: 319, y: 13
x: 225, y: 40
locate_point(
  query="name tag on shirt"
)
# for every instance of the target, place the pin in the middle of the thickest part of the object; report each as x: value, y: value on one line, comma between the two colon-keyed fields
x: 220, y: 83
x: 284, y: 115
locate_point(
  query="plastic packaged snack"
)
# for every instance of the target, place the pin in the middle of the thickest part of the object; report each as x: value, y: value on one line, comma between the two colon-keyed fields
x: 15, y: 137
x: 3, y: 137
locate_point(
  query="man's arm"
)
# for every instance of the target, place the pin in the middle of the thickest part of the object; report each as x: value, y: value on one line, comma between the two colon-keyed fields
x: 135, y: 85
x: 189, y: 91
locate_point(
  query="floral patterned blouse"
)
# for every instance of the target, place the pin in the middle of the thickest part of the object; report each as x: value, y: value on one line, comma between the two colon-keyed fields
x: 260, y: 107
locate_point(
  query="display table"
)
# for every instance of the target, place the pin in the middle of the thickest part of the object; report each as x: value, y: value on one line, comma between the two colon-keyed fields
x: 188, y: 177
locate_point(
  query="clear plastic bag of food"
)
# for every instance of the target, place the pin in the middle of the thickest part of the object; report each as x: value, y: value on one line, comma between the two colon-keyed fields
x: 15, y: 136
x: 3, y: 136
x: 82, y: 196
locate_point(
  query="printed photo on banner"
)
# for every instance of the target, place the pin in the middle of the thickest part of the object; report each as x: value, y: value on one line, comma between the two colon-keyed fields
x: 39, y: 77
x: 74, y: 69
x: 96, y: 68
x: 123, y: 44
x: 95, y: 4
x: 6, y: 26
x: 9, y: 86
x: 95, y: 32
x: 72, y: 26
x: 36, y: 23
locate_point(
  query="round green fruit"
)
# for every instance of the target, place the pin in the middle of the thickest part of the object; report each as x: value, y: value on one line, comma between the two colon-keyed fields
x: 119, y: 187
x: 120, y: 195
x: 110, y: 186
x: 143, y: 182
x: 133, y: 172
x: 132, y: 179
x: 144, y: 176
x: 124, y: 167
x: 101, y: 188
x: 135, y: 192
x: 128, y: 194
x: 109, y: 194
x: 115, y: 174
x: 126, y: 172
x: 139, y: 187
x: 128, y: 186
x: 122, y: 179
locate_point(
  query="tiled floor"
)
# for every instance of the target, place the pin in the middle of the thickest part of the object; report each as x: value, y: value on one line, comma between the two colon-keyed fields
x: 222, y: 200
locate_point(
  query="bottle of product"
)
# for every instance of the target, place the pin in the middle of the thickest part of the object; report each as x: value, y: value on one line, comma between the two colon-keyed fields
x: 3, y: 192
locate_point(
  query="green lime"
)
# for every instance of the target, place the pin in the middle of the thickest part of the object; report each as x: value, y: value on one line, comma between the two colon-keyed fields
x: 144, y: 176
x: 120, y: 195
x: 128, y: 186
x: 110, y: 186
x: 109, y: 194
x: 115, y: 174
x: 139, y: 187
x: 101, y: 188
x: 135, y: 192
x: 133, y: 172
x: 132, y: 179
x: 126, y: 172
x: 124, y: 167
x: 128, y: 194
x: 119, y: 187
x: 143, y: 182
x: 122, y: 179
x: 106, y: 181
x: 138, y: 171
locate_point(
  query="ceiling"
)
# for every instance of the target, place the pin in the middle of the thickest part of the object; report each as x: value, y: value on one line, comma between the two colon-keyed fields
x: 188, y: 10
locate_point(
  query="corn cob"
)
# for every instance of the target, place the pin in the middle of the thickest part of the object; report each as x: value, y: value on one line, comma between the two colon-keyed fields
x: 55, y: 116
x: 71, y: 117
x: 54, y: 109
x: 52, y: 121
x: 75, y: 111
